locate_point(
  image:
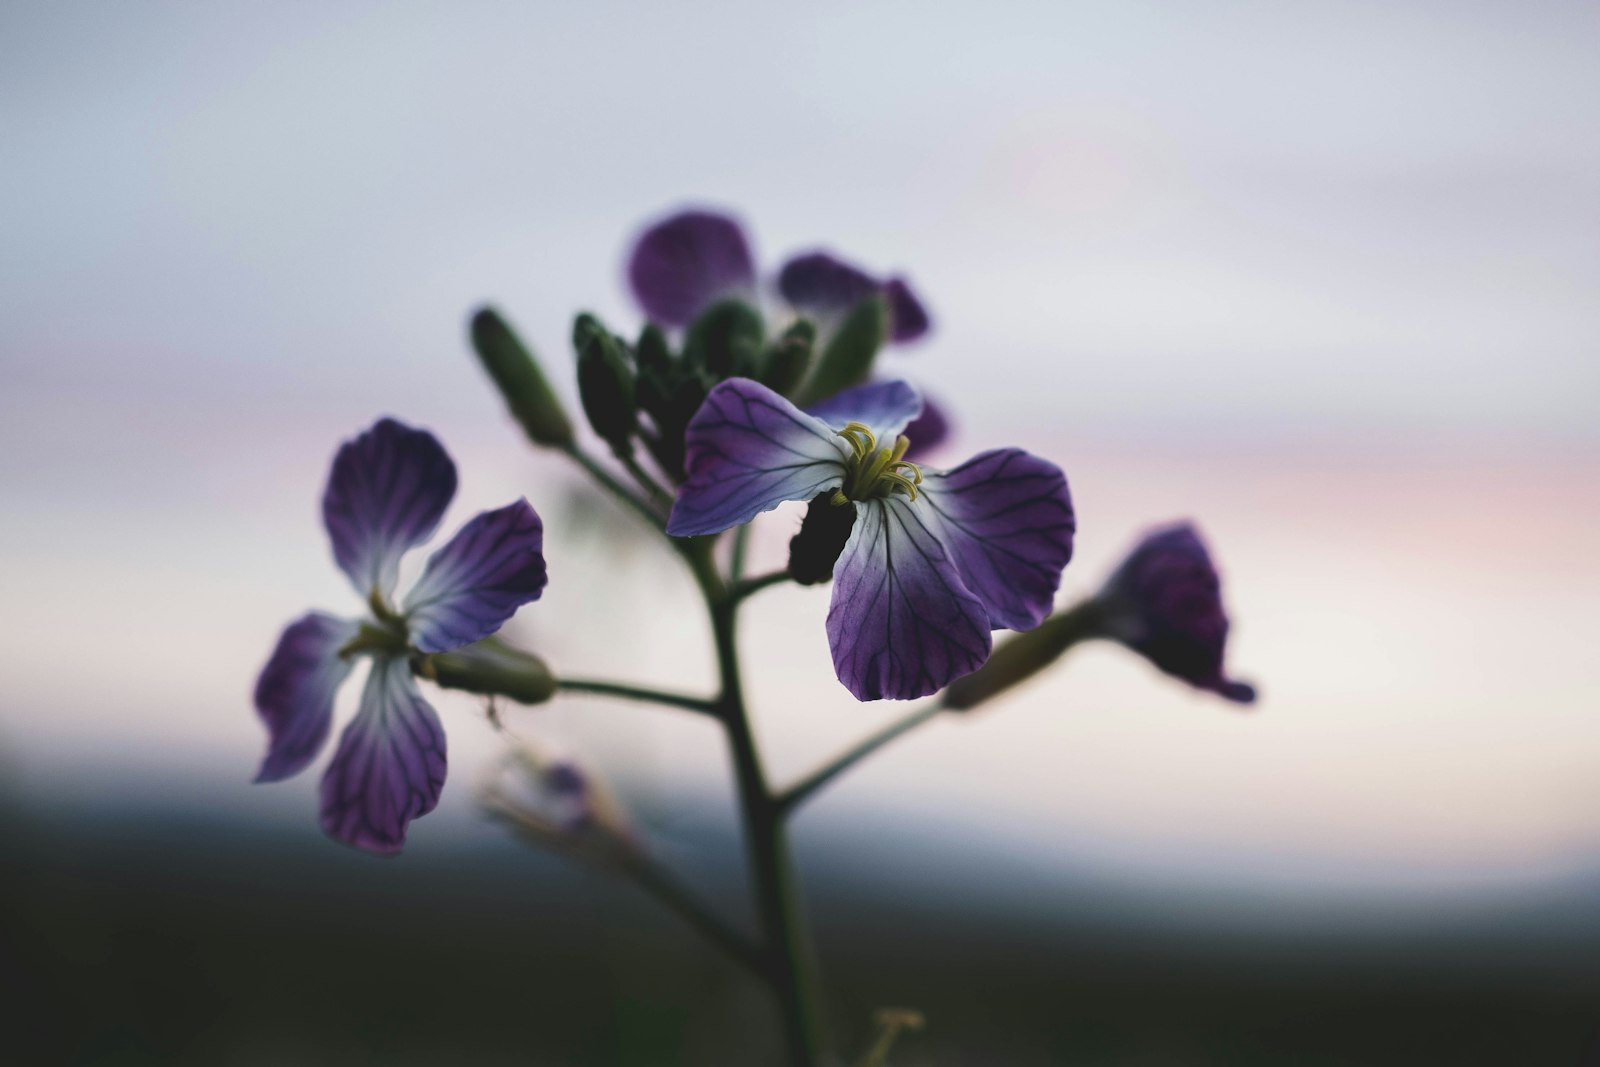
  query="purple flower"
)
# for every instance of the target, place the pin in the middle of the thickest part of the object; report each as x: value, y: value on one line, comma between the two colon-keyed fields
x: 934, y: 560
x: 685, y: 263
x: 1165, y: 602
x: 386, y: 493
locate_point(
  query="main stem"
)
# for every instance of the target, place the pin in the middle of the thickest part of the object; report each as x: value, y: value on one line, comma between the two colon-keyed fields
x: 785, y: 955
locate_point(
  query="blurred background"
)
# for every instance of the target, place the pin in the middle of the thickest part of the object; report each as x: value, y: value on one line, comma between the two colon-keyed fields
x: 1321, y: 276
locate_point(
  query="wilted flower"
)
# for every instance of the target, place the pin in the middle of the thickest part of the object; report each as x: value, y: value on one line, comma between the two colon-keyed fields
x: 386, y: 493
x: 933, y: 560
x: 685, y: 263
x: 1165, y: 602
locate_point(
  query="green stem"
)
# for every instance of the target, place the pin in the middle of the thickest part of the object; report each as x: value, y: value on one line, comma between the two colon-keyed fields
x: 665, y: 887
x: 785, y: 953
x: 636, y: 692
x: 744, y: 588
x: 653, y: 489
x: 802, y: 790
x: 741, y: 549
x: 614, y: 486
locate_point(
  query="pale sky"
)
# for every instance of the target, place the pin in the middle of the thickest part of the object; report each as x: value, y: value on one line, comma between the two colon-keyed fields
x: 1320, y: 275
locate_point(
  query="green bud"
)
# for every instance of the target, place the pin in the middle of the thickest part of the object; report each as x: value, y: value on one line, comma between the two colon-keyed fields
x: 847, y: 360
x: 492, y: 668
x: 789, y: 358
x: 725, y: 339
x: 653, y: 353
x: 517, y: 375
x: 1023, y: 655
x: 605, y: 383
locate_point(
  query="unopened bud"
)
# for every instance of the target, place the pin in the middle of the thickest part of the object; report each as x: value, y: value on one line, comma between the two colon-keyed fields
x: 1023, y: 655
x: 491, y: 668
x: 725, y: 339
x: 789, y: 358
x: 847, y: 358
x: 605, y: 383
x: 517, y: 375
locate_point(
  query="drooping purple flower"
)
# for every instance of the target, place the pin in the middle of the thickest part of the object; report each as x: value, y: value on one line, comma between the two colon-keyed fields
x: 1165, y: 602
x: 933, y: 561
x: 684, y: 263
x: 386, y: 493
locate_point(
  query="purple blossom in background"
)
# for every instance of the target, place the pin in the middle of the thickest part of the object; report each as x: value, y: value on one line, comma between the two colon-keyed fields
x: 685, y: 263
x: 386, y: 493
x: 934, y: 560
x: 1165, y: 602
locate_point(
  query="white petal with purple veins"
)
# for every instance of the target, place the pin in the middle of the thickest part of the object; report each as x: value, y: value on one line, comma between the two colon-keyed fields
x: 390, y: 765
x: 902, y: 624
x: 887, y: 407
x: 472, y: 585
x: 294, y: 695
x: 386, y: 493
x: 1007, y: 519
x: 747, y: 451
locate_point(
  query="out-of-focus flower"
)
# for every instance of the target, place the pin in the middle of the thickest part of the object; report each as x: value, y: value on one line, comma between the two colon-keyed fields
x: 557, y: 802
x: 386, y: 493
x: 1165, y: 602
x: 688, y: 261
x: 928, y: 563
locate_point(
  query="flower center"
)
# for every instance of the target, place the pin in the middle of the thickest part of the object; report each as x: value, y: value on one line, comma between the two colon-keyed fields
x: 386, y: 635
x: 873, y: 472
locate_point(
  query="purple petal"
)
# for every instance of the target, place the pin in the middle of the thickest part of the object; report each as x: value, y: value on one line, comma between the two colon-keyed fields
x: 901, y: 625
x: 929, y: 430
x: 822, y: 286
x: 390, y: 765
x: 747, y: 451
x: 887, y: 407
x: 472, y: 585
x: 386, y: 493
x: 294, y: 695
x: 682, y: 264
x: 908, y: 319
x: 1165, y: 601
x: 1006, y: 517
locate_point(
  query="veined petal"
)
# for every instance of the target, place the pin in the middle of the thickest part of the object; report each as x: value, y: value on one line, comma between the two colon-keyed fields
x: 908, y: 319
x: 294, y: 695
x: 471, y: 586
x: 823, y: 286
x: 386, y: 493
x: 1006, y: 517
x: 390, y: 765
x: 747, y: 451
x: 901, y: 624
x: 888, y: 407
x: 683, y: 264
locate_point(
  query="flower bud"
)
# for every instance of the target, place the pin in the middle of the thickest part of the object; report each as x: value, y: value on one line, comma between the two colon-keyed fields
x: 653, y: 353
x: 1023, y: 655
x: 726, y: 340
x: 517, y: 375
x: 605, y: 383
x: 847, y: 358
x: 789, y: 358
x: 823, y: 533
x: 492, y: 668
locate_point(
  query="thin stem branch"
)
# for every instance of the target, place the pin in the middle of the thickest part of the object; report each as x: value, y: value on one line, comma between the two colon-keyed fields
x: 614, y: 486
x: 802, y: 790
x: 646, y: 481
x: 637, y: 692
x: 741, y: 549
x: 676, y: 897
x: 748, y: 586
